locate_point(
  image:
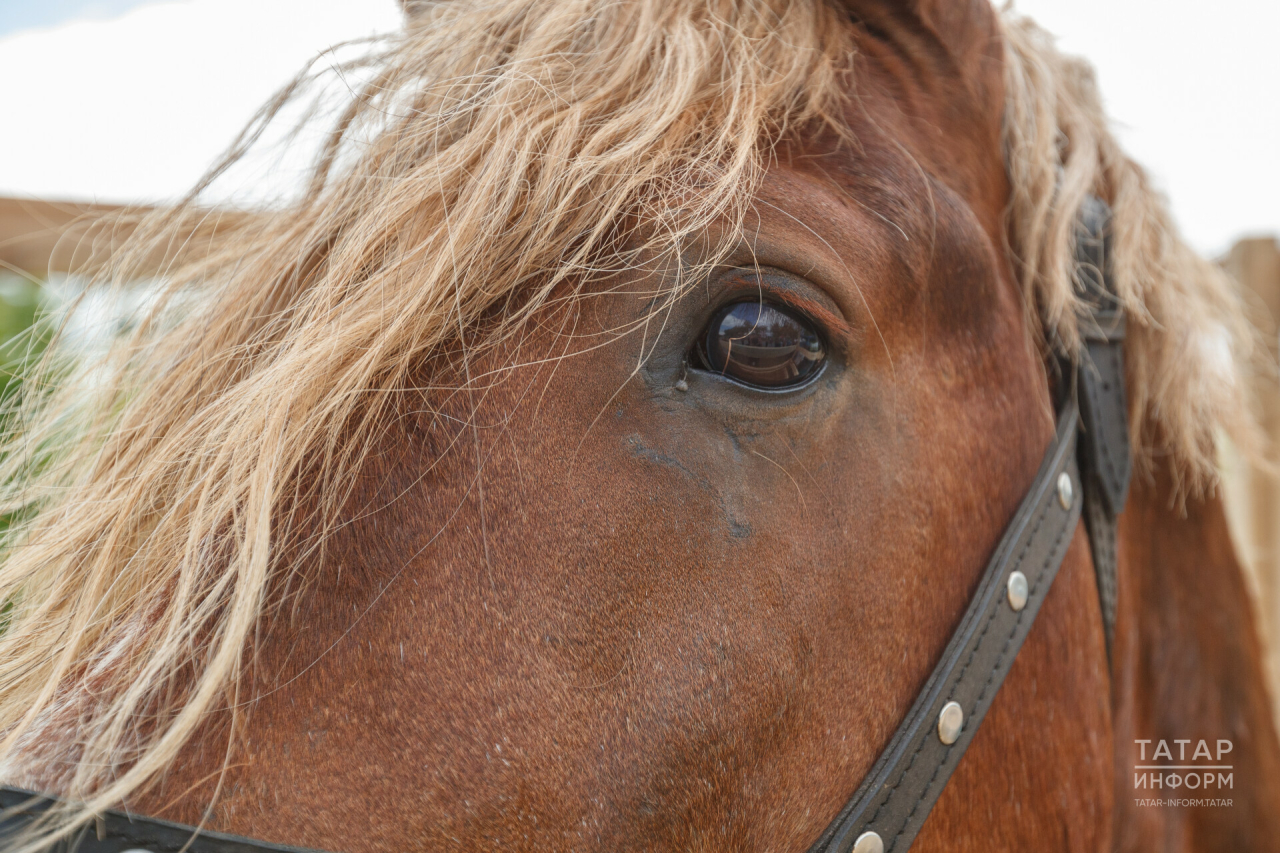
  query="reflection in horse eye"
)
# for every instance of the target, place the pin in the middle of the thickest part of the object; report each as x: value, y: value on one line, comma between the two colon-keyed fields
x: 763, y: 345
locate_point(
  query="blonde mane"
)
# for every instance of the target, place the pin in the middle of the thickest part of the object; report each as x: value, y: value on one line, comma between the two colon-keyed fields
x: 1189, y: 342
x: 499, y: 157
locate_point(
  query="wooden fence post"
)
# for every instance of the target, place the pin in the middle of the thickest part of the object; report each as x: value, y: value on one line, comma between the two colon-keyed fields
x: 1253, y: 495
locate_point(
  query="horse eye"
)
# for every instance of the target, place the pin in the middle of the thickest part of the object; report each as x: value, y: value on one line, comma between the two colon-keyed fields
x: 762, y: 345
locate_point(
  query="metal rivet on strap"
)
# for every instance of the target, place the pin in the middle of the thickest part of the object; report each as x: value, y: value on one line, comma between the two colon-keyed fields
x: 1066, y: 491
x: 950, y: 722
x: 869, y: 842
x: 1017, y: 590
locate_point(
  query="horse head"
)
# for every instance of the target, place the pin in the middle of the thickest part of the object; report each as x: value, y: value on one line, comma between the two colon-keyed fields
x: 602, y: 451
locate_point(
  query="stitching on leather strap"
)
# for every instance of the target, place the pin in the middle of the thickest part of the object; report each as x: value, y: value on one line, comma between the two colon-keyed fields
x: 974, y: 649
x: 890, y: 791
x: 1051, y: 558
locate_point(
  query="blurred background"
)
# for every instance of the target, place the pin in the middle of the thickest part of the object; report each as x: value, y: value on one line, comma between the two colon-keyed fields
x: 113, y: 102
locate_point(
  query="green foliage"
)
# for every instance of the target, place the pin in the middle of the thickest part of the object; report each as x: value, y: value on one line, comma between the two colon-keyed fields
x: 20, y: 344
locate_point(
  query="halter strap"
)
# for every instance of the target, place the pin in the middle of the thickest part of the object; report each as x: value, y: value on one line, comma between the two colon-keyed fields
x: 890, y: 806
x: 1106, y: 459
x: 117, y: 832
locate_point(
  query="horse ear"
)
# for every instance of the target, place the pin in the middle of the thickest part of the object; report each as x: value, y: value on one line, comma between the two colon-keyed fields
x: 961, y: 26
x: 950, y: 36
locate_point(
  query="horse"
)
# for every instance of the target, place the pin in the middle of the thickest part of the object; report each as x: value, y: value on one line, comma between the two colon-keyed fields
x: 433, y: 508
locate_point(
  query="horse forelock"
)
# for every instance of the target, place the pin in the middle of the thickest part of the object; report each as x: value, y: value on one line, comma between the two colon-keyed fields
x: 498, y: 155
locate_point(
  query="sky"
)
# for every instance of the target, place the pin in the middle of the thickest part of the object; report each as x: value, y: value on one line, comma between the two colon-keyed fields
x: 122, y: 100
x: 16, y: 15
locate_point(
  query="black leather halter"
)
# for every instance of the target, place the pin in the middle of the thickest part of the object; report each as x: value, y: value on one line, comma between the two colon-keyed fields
x: 891, y: 804
x: 1086, y: 469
